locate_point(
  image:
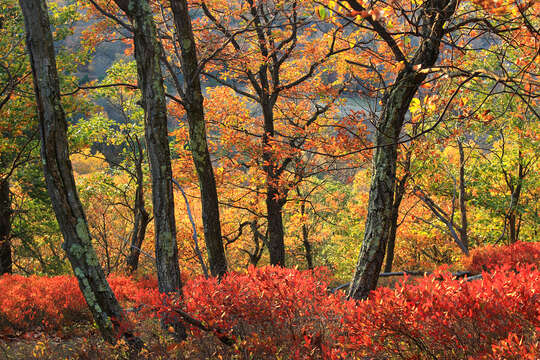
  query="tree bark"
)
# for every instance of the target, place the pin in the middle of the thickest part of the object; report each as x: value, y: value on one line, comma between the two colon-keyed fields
x: 464, y: 232
x: 446, y: 219
x: 147, y: 56
x: 513, y: 224
x: 274, y: 200
x: 150, y: 81
x: 305, y: 235
x: 397, y: 100
x: 398, y: 197
x: 141, y: 218
x: 103, y: 305
x: 274, y: 217
x: 381, y: 194
x: 6, y: 262
x: 259, y: 240
x: 197, y: 138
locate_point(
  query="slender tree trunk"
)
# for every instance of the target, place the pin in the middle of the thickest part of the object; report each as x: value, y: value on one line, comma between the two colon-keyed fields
x: 381, y: 194
x: 259, y: 240
x: 5, y: 228
x: 197, y: 138
x: 305, y: 235
x: 513, y: 224
x: 396, y: 104
x: 150, y: 79
x: 274, y: 200
x: 147, y: 56
x: 464, y: 231
x: 398, y: 197
x: 307, y: 246
x: 103, y: 305
x: 141, y: 219
x: 276, y: 243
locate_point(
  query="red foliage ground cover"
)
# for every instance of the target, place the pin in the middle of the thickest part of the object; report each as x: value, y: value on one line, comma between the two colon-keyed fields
x: 272, y: 312
x: 489, y: 257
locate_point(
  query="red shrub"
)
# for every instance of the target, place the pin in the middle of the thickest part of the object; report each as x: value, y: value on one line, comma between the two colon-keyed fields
x: 515, y: 348
x: 274, y: 312
x: 489, y: 257
x: 445, y: 319
x: 31, y: 302
x: 35, y: 301
x: 269, y: 310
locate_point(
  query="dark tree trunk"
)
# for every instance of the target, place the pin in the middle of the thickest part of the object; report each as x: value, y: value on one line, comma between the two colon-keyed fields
x: 513, y: 224
x: 140, y: 216
x: 147, y: 56
x: 103, y: 305
x: 276, y: 243
x: 307, y: 246
x: 381, y: 194
x: 259, y: 240
x: 305, y: 235
x: 5, y: 228
x: 274, y: 200
x: 395, y: 106
x: 464, y: 229
x: 197, y: 138
x: 398, y: 197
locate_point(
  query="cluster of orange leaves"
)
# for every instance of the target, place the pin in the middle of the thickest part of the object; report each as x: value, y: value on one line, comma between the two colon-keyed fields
x: 269, y: 311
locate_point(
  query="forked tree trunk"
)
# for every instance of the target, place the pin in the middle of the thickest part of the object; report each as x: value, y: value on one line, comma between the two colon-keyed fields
x: 381, y: 195
x: 103, y: 305
x: 150, y: 79
x: 197, y: 138
x: 6, y: 262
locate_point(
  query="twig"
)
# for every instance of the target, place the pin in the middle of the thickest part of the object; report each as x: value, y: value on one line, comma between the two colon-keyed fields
x: 220, y: 333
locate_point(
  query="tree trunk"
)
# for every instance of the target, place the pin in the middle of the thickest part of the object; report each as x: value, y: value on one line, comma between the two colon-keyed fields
x: 513, y: 224
x: 256, y: 255
x: 395, y: 106
x: 398, y: 197
x: 274, y: 200
x: 141, y: 219
x: 381, y: 194
x: 276, y: 243
x: 197, y: 138
x: 103, y: 305
x: 464, y: 232
x: 305, y: 235
x: 5, y: 228
x: 150, y: 79
x: 147, y: 56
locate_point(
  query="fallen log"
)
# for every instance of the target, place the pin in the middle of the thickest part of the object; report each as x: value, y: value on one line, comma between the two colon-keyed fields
x: 457, y: 275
